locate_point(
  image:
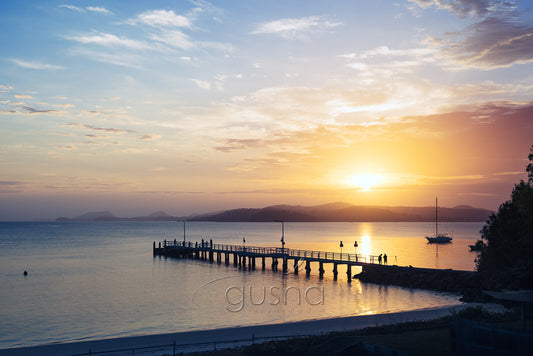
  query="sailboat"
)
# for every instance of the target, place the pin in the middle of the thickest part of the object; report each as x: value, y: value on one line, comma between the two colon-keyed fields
x: 438, y: 238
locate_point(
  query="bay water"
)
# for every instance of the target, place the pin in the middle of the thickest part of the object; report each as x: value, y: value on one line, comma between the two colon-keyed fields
x: 93, y: 280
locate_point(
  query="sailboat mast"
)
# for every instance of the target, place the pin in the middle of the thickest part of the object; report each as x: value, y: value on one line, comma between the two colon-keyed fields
x: 436, y: 216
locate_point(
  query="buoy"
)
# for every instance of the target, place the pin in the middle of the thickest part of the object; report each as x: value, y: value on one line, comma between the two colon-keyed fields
x: 25, y: 273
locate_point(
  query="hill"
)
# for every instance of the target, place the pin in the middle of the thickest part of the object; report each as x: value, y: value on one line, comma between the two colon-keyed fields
x: 343, y: 212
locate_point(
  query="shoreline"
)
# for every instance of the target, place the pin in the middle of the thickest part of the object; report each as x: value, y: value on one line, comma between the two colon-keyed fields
x: 245, y: 335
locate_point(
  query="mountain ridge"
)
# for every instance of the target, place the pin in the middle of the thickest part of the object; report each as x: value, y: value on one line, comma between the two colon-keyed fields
x: 348, y: 213
x: 330, y: 212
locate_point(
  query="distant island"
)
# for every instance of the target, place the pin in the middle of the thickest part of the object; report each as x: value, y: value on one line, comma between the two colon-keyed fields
x: 107, y: 216
x: 332, y: 212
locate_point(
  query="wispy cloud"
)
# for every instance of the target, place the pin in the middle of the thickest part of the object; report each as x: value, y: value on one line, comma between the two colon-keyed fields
x: 107, y: 39
x: 72, y: 7
x: 97, y: 9
x: 386, y: 51
x: 119, y: 58
x: 501, y: 37
x: 491, y: 43
x: 163, y: 32
x: 35, y: 65
x: 9, y: 186
x: 202, y: 84
x: 296, y: 28
x: 384, y: 61
x: 96, y: 128
x: 150, y: 137
x: 160, y: 18
x: 39, y: 111
x: 23, y: 96
x: 239, y: 144
x: 174, y: 38
x: 460, y: 7
x: 6, y: 87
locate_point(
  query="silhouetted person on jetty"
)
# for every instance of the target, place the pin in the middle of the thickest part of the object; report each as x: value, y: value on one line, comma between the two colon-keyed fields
x: 385, y: 258
x: 379, y: 259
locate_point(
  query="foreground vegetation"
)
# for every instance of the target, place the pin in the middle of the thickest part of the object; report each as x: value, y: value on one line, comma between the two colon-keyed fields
x: 413, y: 338
x: 506, y: 259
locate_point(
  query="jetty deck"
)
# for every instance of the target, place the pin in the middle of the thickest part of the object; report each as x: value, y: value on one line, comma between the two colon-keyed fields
x: 244, y: 256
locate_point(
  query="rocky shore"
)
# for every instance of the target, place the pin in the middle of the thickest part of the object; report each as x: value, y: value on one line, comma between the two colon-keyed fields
x: 466, y: 283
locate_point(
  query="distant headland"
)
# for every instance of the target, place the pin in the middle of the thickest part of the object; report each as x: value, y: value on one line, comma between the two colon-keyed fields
x: 332, y: 212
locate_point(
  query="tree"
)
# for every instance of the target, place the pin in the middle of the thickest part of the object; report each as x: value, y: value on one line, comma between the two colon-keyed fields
x: 529, y: 168
x: 506, y: 261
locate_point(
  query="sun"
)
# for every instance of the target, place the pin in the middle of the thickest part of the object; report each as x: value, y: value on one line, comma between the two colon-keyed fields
x: 365, y: 181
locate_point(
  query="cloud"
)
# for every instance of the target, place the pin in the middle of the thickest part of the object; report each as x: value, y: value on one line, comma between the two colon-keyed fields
x: 120, y: 58
x: 150, y: 137
x: 385, y: 51
x: 383, y: 61
x: 239, y: 144
x: 163, y: 33
x: 35, y: 65
x: 202, y: 84
x: 460, y: 7
x: 6, y: 87
x: 38, y: 111
x: 95, y: 136
x: 9, y: 186
x: 295, y: 28
x: 501, y: 37
x: 174, y: 38
x: 23, y: 96
x: 97, y: 9
x: 64, y: 106
x: 9, y: 182
x: 107, y: 39
x: 491, y: 43
x: 73, y: 8
x: 161, y: 18
x: 96, y: 128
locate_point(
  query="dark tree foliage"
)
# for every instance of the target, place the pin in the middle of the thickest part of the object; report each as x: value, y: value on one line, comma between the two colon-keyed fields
x: 506, y: 261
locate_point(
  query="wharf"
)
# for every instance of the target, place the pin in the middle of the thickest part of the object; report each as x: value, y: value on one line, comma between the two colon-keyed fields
x: 246, y: 255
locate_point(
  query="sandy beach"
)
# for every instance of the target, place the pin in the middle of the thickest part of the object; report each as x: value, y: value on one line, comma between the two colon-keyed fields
x: 208, y: 339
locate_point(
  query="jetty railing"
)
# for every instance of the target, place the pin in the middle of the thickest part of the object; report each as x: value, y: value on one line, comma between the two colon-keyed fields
x: 276, y: 251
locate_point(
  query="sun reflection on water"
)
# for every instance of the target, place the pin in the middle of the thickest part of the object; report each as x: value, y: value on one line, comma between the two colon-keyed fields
x: 365, y: 247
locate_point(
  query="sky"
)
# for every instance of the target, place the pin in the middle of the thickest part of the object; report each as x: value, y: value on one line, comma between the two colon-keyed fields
x: 195, y: 106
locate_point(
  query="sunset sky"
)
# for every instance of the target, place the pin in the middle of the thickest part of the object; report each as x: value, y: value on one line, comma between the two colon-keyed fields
x: 196, y: 106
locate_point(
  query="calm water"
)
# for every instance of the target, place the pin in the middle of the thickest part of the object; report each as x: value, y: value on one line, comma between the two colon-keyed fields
x: 95, y: 280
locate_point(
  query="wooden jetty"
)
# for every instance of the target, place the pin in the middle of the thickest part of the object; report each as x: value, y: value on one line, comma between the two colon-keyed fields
x: 244, y: 256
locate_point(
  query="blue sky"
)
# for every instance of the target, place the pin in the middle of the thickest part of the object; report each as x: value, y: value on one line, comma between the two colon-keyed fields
x: 194, y: 106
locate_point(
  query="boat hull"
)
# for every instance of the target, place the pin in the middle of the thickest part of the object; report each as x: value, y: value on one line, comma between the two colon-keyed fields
x: 439, y: 239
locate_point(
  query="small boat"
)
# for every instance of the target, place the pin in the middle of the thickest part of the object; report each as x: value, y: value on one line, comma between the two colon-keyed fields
x: 478, y: 246
x: 441, y: 238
